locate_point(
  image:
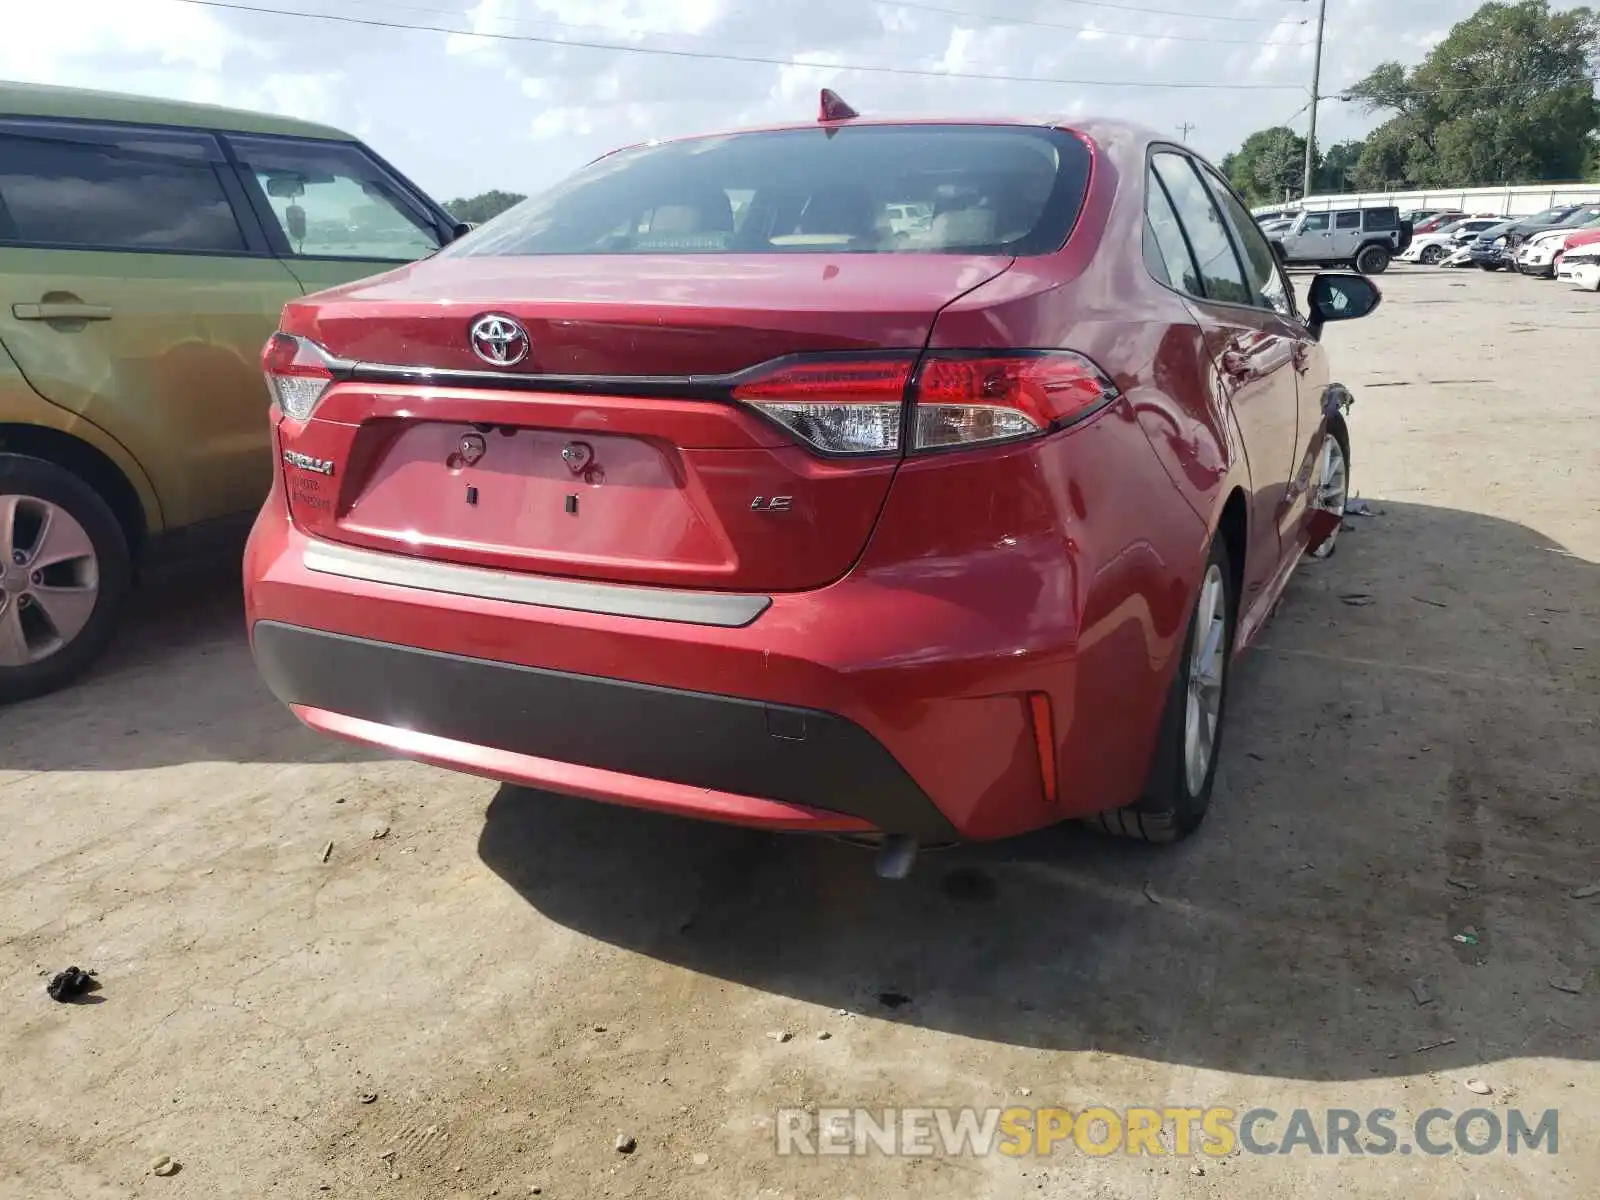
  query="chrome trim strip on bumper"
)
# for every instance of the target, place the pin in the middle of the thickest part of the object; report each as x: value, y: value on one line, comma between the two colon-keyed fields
x: 727, y: 610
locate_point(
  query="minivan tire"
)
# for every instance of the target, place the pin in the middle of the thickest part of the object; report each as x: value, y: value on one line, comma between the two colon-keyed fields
x: 1372, y: 260
x: 39, y: 480
x: 1171, y: 807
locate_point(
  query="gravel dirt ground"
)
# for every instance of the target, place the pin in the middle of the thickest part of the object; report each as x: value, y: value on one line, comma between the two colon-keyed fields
x: 518, y: 978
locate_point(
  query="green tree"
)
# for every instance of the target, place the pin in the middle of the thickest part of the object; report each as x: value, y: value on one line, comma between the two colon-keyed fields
x: 480, y: 208
x: 1270, y: 165
x: 1335, y: 170
x: 1507, y: 97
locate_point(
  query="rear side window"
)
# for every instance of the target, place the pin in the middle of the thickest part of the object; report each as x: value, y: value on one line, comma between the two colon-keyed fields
x: 1166, y: 254
x: 1347, y: 220
x: 1261, y: 266
x: 330, y: 200
x: 113, y: 188
x: 1377, y: 220
x: 1220, y: 272
x: 870, y: 189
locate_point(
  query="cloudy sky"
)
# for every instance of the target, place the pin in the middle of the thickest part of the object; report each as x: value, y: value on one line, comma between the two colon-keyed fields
x: 462, y: 113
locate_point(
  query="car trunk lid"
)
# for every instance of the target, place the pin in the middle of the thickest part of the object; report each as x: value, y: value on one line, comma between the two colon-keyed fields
x: 611, y: 449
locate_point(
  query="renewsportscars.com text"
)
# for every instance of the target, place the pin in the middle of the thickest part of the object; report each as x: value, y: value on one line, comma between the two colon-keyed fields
x: 1215, y: 1132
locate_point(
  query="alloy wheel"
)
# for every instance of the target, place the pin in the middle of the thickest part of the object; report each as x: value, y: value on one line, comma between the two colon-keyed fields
x: 1207, y: 662
x: 49, y: 579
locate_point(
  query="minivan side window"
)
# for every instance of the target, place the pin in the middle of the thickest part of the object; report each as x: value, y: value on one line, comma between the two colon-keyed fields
x: 330, y: 200
x: 1260, y: 264
x: 1220, y: 271
x: 1348, y: 220
x: 81, y: 186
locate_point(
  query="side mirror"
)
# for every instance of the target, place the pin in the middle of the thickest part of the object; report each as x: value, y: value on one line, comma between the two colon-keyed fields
x: 1341, y: 297
x: 461, y: 228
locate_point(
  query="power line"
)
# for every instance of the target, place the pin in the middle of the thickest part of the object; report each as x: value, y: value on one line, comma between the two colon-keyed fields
x: 1002, y: 19
x: 1168, y: 12
x: 993, y: 19
x: 764, y: 60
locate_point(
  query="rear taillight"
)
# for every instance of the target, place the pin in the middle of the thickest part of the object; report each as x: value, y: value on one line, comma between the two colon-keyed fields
x: 966, y: 399
x: 840, y: 406
x: 298, y: 372
x: 957, y: 398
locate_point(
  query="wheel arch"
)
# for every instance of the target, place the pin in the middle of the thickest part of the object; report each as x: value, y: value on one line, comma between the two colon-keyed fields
x: 1233, y: 527
x: 95, y: 467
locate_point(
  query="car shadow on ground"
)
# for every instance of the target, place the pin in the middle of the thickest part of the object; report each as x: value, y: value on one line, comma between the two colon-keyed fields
x: 177, y: 685
x: 1384, y: 885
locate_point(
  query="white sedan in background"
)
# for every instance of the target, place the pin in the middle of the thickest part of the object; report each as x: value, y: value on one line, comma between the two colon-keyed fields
x: 1581, y: 267
x: 1432, y: 248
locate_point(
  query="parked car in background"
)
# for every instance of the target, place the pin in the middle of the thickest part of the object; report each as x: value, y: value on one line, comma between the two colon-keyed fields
x: 1277, y: 214
x: 1436, y: 222
x: 1501, y: 251
x: 680, y: 515
x: 1273, y: 228
x: 1363, y: 238
x: 1537, y: 254
x: 1432, y: 248
x: 1579, y: 264
x: 146, y: 249
x: 1488, y: 249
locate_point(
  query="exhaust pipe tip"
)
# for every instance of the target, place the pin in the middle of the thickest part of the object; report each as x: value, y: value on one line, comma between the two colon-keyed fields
x: 897, y: 854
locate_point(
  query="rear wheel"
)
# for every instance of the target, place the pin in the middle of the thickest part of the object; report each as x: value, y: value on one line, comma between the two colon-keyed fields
x: 1431, y: 255
x: 64, y: 572
x: 1372, y: 260
x: 1184, y: 767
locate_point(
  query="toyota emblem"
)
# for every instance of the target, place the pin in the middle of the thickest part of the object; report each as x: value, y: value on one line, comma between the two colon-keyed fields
x: 499, y: 340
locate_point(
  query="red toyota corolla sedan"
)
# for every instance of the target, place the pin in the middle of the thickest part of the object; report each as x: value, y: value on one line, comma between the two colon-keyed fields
x: 911, y: 480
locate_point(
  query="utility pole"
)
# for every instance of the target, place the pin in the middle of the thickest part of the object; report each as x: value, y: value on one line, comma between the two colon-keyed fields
x: 1316, y: 84
x: 1186, y: 129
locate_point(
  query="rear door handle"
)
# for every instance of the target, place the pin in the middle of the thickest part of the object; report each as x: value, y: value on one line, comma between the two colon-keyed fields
x: 61, y: 312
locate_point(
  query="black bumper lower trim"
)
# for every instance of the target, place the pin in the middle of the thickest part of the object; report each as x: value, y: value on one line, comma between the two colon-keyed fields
x: 724, y: 743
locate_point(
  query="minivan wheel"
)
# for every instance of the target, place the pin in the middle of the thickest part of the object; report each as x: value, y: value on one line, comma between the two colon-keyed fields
x: 64, y: 573
x: 1373, y: 260
x: 1183, y: 769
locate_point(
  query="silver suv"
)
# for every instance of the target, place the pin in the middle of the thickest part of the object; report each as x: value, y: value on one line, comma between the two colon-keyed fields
x: 1363, y: 238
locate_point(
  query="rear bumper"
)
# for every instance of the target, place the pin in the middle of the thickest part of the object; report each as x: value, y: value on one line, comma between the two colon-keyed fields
x: 739, y: 760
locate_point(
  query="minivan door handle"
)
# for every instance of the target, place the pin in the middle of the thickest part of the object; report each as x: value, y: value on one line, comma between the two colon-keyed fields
x: 61, y: 312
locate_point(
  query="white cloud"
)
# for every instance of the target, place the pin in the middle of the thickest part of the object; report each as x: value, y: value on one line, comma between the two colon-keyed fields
x: 461, y: 114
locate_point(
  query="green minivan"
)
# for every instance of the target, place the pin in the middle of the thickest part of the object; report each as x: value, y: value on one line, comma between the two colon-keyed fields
x: 146, y: 249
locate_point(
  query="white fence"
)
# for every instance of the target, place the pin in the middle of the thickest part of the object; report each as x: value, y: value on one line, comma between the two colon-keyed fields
x: 1490, y: 201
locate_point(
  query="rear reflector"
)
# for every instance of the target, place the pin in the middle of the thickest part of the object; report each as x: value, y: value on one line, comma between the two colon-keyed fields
x: 298, y: 372
x: 959, y: 398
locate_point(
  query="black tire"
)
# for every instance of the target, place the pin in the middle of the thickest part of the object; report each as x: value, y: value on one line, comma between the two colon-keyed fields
x: 21, y: 475
x: 1169, y: 810
x: 1431, y: 255
x: 1489, y: 266
x: 1373, y: 260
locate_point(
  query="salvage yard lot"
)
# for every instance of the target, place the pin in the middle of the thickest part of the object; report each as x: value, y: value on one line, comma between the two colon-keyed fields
x: 1413, y: 752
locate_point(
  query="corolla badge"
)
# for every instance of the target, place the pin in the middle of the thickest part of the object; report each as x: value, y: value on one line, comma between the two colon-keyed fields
x: 499, y: 340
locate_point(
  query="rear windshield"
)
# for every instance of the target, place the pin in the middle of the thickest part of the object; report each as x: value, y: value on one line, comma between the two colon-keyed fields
x: 874, y: 189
